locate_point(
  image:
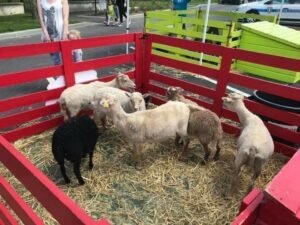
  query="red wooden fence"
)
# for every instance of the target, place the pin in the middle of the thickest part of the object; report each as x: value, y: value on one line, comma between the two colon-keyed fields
x: 63, y: 209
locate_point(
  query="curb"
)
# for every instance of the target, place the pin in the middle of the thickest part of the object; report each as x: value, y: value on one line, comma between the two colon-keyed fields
x: 36, y: 31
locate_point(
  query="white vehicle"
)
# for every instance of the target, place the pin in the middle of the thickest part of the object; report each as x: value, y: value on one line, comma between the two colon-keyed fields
x: 290, y: 9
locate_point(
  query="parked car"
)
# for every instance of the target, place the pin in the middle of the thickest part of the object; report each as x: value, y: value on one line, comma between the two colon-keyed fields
x: 290, y: 9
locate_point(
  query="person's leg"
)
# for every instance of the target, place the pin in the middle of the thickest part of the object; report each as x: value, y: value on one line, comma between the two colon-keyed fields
x: 120, y: 7
x: 116, y: 9
x: 55, y: 58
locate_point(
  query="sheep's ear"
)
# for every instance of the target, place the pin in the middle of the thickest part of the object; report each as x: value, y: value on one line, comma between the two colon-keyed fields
x: 128, y: 94
x: 148, y: 98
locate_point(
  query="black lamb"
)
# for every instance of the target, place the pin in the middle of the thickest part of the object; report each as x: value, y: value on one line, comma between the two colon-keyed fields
x: 73, y: 140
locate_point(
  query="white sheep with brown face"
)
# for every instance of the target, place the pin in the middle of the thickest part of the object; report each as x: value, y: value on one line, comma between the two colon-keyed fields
x: 203, y: 124
x: 130, y: 102
x: 175, y: 94
x: 255, y: 144
x: 78, y: 97
x: 154, y: 125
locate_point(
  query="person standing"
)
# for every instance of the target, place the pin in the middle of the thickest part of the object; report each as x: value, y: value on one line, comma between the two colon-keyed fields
x: 54, y: 20
x: 121, y: 7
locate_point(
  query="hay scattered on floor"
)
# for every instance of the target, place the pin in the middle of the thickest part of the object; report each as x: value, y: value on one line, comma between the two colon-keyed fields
x: 166, y: 191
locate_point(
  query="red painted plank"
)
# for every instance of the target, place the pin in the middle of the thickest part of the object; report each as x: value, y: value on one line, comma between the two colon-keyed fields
x: 188, y: 44
x: 272, y: 212
x: 193, y: 68
x: 29, y: 99
x: 102, y: 41
x: 285, y: 149
x: 162, y: 91
x: 7, y: 52
x: 68, y: 64
x: 6, y: 216
x: 223, y: 80
x: 147, y: 63
x: 28, y: 115
x: 276, y: 114
x: 18, y: 205
x: 104, y: 62
x: 248, y: 200
x: 285, y: 186
x: 62, y: 208
x: 29, y: 75
x: 139, y: 67
x: 171, y: 81
x: 283, y: 133
x: 157, y: 101
x: 268, y: 60
x: 264, y: 85
x: 249, y: 214
x: 32, y: 129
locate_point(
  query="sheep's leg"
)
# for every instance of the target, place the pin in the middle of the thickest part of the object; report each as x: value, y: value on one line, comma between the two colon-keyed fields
x: 137, y: 148
x: 217, y: 154
x: 103, y: 121
x: 185, y: 150
x: 76, y: 169
x: 257, y: 166
x: 207, y: 153
x: 177, y: 139
x: 240, y: 160
x: 91, y: 164
x: 63, y: 172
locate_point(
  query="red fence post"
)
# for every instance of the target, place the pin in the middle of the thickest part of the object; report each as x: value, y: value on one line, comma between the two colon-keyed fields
x: 223, y: 78
x: 138, y: 60
x: 68, y: 65
x: 147, y: 62
x: 18, y: 205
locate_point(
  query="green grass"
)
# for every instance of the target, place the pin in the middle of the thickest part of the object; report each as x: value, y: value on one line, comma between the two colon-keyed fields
x: 17, y: 22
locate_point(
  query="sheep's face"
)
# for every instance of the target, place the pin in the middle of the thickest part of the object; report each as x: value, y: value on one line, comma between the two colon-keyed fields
x: 136, y: 101
x: 172, y: 92
x: 107, y: 102
x: 232, y: 100
x: 125, y: 83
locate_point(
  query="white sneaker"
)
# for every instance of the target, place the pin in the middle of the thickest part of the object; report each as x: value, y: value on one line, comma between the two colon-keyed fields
x: 50, y: 80
x: 120, y: 25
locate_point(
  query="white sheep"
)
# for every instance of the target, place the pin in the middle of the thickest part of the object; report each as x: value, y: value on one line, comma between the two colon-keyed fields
x: 203, y: 124
x: 78, y: 97
x: 255, y: 144
x: 130, y: 102
x: 154, y: 125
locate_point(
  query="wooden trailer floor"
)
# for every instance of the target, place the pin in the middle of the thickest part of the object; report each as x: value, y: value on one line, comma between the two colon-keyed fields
x: 165, y: 191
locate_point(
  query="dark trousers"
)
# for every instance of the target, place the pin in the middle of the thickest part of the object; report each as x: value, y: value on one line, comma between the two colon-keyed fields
x: 122, y: 12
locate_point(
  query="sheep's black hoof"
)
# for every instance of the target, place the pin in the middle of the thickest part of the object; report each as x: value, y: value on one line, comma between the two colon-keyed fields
x: 203, y: 162
x: 81, y: 182
x: 216, y: 158
x: 67, y: 180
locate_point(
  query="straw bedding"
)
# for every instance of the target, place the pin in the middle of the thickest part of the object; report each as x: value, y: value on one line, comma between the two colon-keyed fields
x: 166, y: 191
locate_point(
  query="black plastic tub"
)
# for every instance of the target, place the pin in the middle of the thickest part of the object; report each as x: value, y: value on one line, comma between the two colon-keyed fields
x: 279, y: 103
